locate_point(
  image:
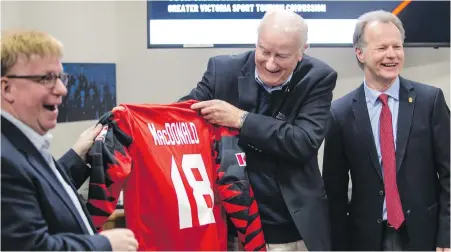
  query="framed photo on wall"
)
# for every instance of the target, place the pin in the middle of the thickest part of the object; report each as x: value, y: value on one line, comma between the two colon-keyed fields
x: 91, y: 91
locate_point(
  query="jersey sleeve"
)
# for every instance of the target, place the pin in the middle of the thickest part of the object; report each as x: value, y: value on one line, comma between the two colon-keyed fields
x: 235, y: 191
x: 110, y: 166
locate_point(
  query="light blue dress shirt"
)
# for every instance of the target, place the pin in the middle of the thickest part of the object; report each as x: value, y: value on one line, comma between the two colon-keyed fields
x: 269, y: 89
x: 374, y: 110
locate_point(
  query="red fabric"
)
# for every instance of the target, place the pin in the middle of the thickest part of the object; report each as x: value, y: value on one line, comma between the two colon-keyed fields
x: 236, y: 192
x: 177, y: 196
x: 394, y: 208
x: 168, y: 178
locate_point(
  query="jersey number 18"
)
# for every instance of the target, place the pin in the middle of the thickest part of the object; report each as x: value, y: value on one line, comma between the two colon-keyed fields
x: 201, y: 188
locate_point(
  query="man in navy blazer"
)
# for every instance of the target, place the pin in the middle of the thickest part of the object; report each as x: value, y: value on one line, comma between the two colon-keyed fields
x: 279, y: 99
x: 393, y: 136
x: 40, y: 207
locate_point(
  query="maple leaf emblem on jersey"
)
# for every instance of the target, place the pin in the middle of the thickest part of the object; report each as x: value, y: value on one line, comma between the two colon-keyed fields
x: 241, y: 158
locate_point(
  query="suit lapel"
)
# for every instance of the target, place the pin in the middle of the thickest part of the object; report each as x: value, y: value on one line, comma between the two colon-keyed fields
x: 362, y: 120
x: 247, y: 86
x: 38, y: 162
x: 43, y: 168
x: 406, y: 107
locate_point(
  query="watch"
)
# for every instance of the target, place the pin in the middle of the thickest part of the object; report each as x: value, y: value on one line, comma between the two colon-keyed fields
x: 242, y: 118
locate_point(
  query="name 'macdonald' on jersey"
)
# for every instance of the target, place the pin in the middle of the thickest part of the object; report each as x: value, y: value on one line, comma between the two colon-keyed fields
x: 165, y: 159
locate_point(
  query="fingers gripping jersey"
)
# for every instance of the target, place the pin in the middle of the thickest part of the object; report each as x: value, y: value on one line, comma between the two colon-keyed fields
x: 162, y: 156
x: 235, y: 191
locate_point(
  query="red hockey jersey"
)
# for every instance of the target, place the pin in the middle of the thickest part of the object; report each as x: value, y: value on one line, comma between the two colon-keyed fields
x: 235, y: 191
x: 165, y: 158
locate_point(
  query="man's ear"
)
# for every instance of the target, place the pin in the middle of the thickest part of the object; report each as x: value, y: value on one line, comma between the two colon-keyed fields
x: 303, y: 51
x: 6, y: 89
x: 359, y: 55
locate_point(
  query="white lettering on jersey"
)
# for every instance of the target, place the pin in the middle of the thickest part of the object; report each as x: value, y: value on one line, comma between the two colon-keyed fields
x: 200, y: 188
x: 178, y: 133
x: 185, y: 217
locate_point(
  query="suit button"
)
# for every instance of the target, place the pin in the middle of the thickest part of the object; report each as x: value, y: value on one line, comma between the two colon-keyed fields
x: 381, y: 192
x: 408, y: 212
x: 379, y: 221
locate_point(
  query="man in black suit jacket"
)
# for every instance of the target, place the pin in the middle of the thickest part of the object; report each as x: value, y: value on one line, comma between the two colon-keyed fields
x: 279, y: 98
x: 41, y: 209
x: 393, y: 136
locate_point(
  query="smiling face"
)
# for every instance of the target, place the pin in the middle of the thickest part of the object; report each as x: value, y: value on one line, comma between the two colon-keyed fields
x: 30, y: 101
x: 383, y: 54
x: 276, y: 55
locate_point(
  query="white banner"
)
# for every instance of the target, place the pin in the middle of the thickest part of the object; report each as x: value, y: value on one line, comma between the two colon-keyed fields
x: 209, y: 32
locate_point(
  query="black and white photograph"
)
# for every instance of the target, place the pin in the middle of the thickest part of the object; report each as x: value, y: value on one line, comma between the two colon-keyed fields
x: 91, y: 91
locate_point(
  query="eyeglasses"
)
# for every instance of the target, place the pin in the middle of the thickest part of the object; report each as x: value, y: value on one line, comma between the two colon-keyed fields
x: 48, y: 80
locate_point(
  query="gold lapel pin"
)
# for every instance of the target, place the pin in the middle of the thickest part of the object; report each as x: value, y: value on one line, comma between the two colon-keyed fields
x: 410, y: 99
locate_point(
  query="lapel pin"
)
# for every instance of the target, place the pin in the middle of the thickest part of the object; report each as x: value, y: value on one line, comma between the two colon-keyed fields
x: 410, y: 99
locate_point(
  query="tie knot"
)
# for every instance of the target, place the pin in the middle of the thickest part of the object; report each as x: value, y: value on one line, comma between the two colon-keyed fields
x: 384, y: 99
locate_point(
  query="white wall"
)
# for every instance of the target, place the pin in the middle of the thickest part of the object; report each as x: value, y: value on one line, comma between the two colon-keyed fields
x: 116, y: 32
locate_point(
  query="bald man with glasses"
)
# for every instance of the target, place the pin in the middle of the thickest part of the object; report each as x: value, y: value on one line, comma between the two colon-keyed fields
x: 41, y: 209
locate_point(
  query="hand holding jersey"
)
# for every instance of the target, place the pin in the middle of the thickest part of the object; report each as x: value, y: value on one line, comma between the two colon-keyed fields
x: 220, y: 113
x: 121, y: 239
x: 85, y: 141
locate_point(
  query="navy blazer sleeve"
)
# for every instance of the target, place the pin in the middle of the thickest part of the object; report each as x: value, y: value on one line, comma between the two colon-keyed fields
x: 75, y: 167
x: 336, y: 182
x: 441, y: 137
x: 300, y: 140
x: 23, y: 224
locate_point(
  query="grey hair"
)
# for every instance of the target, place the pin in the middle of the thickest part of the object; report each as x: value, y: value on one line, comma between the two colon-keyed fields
x: 287, y: 22
x: 382, y: 16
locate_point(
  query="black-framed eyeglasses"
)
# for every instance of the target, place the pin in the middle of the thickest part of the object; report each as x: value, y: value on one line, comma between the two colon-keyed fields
x: 48, y: 80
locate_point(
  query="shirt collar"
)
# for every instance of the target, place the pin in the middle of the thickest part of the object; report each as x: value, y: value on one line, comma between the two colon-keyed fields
x: 372, y: 95
x: 271, y: 88
x: 41, y: 142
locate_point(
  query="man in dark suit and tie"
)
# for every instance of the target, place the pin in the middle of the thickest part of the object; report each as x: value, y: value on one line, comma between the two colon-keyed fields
x: 393, y: 136
x: 279, y: 99
x: 41, y: 209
